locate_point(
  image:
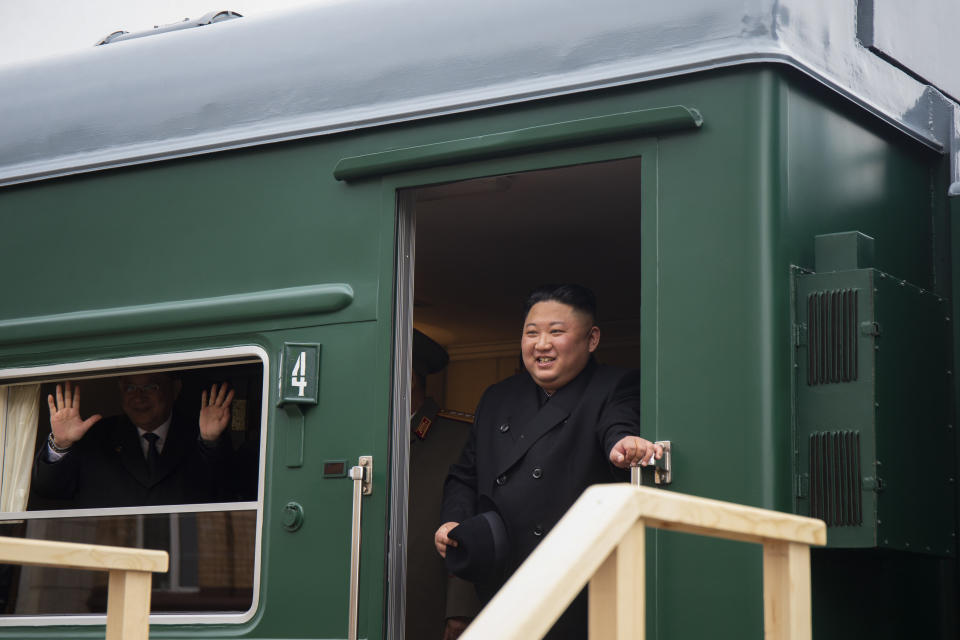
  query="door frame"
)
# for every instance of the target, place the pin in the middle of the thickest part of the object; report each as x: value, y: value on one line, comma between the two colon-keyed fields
x: 397, y: 214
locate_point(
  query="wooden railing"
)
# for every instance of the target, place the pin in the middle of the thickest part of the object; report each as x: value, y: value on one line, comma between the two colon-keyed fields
x: 601, y: 540
x: 128, y: 595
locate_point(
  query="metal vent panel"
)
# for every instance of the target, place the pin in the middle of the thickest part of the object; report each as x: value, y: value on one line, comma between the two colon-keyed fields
x: 832, y: 336
x: 836, y: 404
x: 835, y: 478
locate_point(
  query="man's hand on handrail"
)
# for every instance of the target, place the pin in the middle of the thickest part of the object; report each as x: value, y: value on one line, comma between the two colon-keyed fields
x: 632, y: 450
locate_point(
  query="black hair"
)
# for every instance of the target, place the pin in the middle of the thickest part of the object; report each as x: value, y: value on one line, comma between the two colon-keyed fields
x: 574, y: 295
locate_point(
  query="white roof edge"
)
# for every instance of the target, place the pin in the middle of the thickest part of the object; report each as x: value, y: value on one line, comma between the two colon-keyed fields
x: 329, y: 69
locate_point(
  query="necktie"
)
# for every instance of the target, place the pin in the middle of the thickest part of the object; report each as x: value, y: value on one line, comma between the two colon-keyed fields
x: 153, y: 456
x: 542, y: 397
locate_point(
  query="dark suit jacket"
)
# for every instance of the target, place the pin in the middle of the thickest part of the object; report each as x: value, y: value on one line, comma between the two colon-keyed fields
x: 533, y: 462
x: 106, y: 468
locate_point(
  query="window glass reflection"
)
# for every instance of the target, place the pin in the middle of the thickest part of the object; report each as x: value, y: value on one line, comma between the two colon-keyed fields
x: 137, y: 439
x: 211, y: 563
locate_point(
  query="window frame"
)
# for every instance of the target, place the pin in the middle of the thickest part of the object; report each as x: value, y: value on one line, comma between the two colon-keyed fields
x: 168, y: 361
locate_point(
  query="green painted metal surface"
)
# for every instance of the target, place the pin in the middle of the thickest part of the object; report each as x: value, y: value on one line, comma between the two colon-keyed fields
x: 727, y: 209
x: 882, y: 594
x: 618, y: 126
x: 840, y: 174
x: 914, y: 371
x: 843, y: 251
x: 836, y: 471
x: 875, y: 442
x: 258, y: 305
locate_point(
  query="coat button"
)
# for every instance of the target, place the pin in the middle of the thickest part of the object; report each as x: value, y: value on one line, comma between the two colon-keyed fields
x: 538, y: 531
x: 501, y: 480
x: 537, y: 473
x: 504, y: 427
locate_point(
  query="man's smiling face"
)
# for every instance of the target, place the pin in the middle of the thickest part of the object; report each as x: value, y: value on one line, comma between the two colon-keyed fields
x: 556, y: 344
x: 148, y: 398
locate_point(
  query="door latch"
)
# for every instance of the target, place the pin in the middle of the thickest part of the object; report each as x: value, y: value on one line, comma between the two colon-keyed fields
x: 662, y: 468
x: 364, y: 469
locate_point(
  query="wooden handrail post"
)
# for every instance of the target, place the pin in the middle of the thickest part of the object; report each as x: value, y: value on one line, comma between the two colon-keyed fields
x: 130, y: 570
x: 128, y: 605
x: 786, y: 591
x: 600, y: 542
x: 618, y: 590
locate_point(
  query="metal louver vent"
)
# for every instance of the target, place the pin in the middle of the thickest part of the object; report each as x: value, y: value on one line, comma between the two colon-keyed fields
x: 835, y: 481
x: 832, y: 336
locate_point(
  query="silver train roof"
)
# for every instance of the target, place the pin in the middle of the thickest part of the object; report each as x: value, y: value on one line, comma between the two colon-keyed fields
x: 361, y: 63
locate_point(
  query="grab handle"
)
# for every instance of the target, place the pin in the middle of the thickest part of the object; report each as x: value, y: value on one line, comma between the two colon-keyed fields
x: 362, y: 476
x: 662, y: 468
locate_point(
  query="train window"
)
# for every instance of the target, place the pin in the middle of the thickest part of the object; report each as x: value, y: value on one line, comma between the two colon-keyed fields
x: 193, y: 490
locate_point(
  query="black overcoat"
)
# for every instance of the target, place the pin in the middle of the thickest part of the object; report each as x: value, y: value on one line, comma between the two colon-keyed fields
x: 533, y: 458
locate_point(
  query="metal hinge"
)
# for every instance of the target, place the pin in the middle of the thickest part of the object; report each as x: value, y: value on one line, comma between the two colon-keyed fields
x: 365, y: 468
x: 872, y: 483
x: 802, y: 485
x: 870, y: 328
x: 799, y: 334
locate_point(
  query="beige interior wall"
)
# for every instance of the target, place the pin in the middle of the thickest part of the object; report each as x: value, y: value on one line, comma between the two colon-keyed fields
x: 467, y: 379
x: 436, y: 384
x: 474, y: 368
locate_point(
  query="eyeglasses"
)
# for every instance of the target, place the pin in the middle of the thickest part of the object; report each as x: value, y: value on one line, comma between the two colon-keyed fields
x: 150, y: 387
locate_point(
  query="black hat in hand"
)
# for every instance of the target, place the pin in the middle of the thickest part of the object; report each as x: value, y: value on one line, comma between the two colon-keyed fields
x: 483, y: 548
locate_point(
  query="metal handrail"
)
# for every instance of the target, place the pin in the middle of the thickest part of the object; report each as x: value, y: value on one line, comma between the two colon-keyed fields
x: 362, y: 478
x: 128, y: 590
x: 601, y: 540
x: 356, y: 475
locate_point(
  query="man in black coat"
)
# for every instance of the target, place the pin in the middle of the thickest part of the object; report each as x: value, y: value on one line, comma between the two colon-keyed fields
x: 542, y: 437
x: 147, y: 456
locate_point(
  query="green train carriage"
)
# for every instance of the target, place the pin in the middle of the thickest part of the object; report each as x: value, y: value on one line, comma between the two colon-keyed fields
x: 760, y: 195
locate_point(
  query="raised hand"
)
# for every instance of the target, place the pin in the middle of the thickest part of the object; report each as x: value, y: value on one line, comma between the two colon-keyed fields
x: 65, y: 422
x: 215, y: 411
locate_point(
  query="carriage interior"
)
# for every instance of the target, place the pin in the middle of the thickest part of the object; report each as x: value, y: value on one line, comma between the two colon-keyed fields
x: 483, y: 244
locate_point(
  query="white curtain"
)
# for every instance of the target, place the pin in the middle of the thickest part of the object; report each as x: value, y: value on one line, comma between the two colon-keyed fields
x: 19, y: 410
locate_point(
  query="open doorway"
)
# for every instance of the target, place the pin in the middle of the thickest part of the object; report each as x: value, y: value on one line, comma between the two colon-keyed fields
x: 480, y: 246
